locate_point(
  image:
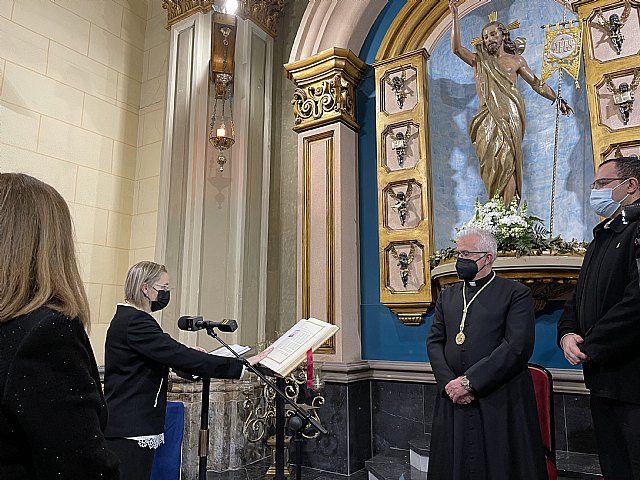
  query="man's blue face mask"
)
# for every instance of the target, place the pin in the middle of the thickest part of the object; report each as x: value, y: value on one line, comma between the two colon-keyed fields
x: 602, y: 201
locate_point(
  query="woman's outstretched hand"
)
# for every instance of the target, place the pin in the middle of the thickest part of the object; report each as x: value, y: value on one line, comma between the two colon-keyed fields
x: 259, y: 357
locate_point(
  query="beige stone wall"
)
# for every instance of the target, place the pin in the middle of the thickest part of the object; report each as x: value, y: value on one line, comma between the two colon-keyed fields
x: 82, y: 89
x: 283, y: 196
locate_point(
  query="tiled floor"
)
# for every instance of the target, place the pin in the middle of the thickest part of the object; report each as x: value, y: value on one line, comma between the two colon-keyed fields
x: 257, y: 471
x: 392, y: 466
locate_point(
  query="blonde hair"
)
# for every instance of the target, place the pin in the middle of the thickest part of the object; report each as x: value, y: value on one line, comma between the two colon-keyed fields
x: 138, y: 275
x: 37, y: 254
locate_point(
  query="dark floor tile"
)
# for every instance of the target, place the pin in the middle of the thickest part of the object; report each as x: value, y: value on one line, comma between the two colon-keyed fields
x: 254, y: 471
x: 310, y: 474
x: 560, y: 421
x: 229, y: 475
x: 580, y: 436
x: 392, y: 464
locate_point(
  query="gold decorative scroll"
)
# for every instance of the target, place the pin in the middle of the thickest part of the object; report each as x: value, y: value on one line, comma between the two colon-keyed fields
x: 330, y: 97
x: 325, y: 91
x: 179, y: 9
x: 264, y: 13
x: 562, y: 49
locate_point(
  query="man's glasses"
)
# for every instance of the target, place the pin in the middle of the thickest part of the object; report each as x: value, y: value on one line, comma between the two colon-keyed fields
x: 603, y: 182
x: 467, y: 254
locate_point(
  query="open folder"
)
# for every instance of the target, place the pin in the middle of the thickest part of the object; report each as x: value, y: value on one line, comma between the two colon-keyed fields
x: 291, y: 348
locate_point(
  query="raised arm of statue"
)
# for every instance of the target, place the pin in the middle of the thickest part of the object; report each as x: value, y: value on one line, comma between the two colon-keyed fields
x: 542, y: 88
x: 456, y: 46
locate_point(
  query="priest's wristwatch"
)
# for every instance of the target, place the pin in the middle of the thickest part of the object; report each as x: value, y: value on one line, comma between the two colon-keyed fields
x: 466, y: 384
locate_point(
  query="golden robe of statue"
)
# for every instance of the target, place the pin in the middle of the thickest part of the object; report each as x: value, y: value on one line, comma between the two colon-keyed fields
x: 497, y: 128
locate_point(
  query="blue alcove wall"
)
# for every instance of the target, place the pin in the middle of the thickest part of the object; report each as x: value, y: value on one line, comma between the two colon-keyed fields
x: 455, y: 171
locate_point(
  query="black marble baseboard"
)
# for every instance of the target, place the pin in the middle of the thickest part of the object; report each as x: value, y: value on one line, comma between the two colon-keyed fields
x: 400, y: 412
x: 372, y: 417
x: 346, y: 414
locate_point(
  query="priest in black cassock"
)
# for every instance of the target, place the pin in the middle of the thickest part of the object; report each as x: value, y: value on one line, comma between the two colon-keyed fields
x: 485, y: 422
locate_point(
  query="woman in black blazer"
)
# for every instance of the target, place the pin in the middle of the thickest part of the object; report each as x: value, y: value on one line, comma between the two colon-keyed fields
x: 52, y: 411
x: 138, y: 355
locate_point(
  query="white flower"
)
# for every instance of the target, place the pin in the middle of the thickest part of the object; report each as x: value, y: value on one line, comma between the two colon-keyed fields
x: 513, y: 220
x: 507, y: 222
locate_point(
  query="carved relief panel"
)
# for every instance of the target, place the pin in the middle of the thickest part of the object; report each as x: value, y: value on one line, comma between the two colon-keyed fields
x: 627, y: 149
x: 401, y: 147
x: 399, y: 89
x: 404, y: 185
x: 612, y: 30
x: 616, y: 100
x: 403, y: 205
x: 403, y: 263
x: 612, y: 71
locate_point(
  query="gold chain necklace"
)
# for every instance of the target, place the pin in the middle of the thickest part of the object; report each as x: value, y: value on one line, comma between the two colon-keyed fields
x: 460, y: 337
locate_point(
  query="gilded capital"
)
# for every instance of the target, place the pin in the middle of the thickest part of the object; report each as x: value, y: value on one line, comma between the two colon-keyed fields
x: 326, y: 84
x: 264, y: 13
x: 179, y: 9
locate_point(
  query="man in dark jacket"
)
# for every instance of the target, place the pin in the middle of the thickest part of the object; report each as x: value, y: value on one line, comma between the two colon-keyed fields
x: 600, y: 326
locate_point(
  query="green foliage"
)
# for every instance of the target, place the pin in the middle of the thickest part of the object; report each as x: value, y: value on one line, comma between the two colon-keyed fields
x: 516, y: 231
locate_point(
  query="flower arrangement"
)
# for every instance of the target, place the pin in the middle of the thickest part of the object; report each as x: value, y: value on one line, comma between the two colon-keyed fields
x: 515, y: 229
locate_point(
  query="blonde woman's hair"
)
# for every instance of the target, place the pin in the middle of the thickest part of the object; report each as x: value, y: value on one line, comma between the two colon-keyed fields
x: 138, y: 275
x: 37, y: 253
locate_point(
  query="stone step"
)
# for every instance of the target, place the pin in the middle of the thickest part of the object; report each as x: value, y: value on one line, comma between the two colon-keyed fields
x: 420, y: 445
x: 393, y: 465
x: 578, y: 465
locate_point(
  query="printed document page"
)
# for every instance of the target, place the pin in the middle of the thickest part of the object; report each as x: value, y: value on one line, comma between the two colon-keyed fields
x: 223, y: 352
x: 291, y: 348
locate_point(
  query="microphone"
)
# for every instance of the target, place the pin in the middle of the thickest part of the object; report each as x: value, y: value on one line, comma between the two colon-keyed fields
x: 192, y: 324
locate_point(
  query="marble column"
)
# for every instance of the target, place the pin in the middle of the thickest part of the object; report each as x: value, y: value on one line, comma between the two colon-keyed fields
x: 328, y: 251
x: 212, y: 224
x: 324, y: 111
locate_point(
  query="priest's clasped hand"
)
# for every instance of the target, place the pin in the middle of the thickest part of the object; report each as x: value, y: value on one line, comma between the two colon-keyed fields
x: 457, y: 393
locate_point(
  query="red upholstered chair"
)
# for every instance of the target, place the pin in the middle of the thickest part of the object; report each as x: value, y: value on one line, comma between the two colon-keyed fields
x: 543, y: 386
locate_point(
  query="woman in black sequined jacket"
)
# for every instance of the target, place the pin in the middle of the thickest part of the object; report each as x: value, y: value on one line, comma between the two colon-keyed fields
x: 52, y: 411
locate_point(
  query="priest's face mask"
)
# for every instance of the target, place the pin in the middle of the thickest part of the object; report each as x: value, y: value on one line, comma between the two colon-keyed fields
x: 470, y: 258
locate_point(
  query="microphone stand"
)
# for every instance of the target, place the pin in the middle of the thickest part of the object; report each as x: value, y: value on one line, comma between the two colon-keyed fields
x: 304, y: 417
x: 203, y: 439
